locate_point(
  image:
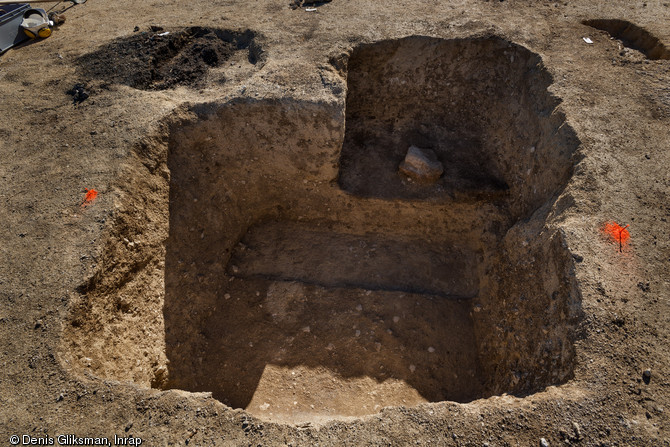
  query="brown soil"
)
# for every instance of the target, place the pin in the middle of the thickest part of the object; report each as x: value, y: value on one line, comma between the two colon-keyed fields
x: 256, y: 270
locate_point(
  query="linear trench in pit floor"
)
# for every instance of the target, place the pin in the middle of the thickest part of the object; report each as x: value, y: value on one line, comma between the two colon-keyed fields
x: 297, y: 252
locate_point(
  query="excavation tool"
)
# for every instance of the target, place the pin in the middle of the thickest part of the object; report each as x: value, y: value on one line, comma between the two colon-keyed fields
x: 35, y: 22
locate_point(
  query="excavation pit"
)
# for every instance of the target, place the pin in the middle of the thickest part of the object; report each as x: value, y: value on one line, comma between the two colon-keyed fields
x: 480, y: 105
x: 632, y: 36
x: 295, y: 287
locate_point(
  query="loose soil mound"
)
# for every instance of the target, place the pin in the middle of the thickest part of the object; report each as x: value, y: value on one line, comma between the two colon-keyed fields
x: 159, y: 60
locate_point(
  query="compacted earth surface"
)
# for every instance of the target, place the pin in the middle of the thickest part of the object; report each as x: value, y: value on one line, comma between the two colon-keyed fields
x: 207, y: 239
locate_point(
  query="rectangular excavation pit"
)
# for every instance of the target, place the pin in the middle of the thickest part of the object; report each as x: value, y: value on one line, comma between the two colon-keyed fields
x: 465, y: 296
x: 464, y: 299
x: 307, y: 253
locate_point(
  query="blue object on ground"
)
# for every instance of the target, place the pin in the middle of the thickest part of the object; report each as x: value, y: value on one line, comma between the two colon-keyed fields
x: 11, y: 17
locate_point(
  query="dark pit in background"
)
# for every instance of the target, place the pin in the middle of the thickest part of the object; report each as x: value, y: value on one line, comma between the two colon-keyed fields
x: 632, y: 36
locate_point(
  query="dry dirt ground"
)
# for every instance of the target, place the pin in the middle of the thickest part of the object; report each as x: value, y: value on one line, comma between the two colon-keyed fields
x: 255, y: 271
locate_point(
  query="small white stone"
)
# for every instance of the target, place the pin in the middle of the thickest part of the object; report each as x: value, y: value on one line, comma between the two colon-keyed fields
x: 306, y: 329
x: 431, y: 349
x: 412, y: 368
x: 396, y: 319
x: 359, y: 308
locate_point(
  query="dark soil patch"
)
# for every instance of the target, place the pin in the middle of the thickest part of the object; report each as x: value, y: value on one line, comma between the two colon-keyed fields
x: 158, y: 60
x: 295, y: 4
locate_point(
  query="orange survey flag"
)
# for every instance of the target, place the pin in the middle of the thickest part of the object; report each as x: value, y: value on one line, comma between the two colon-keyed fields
x: 617, y: 233
x: 91, y: 194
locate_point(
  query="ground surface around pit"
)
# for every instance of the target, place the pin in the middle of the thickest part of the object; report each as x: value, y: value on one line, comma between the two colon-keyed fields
x: 613, y: 95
